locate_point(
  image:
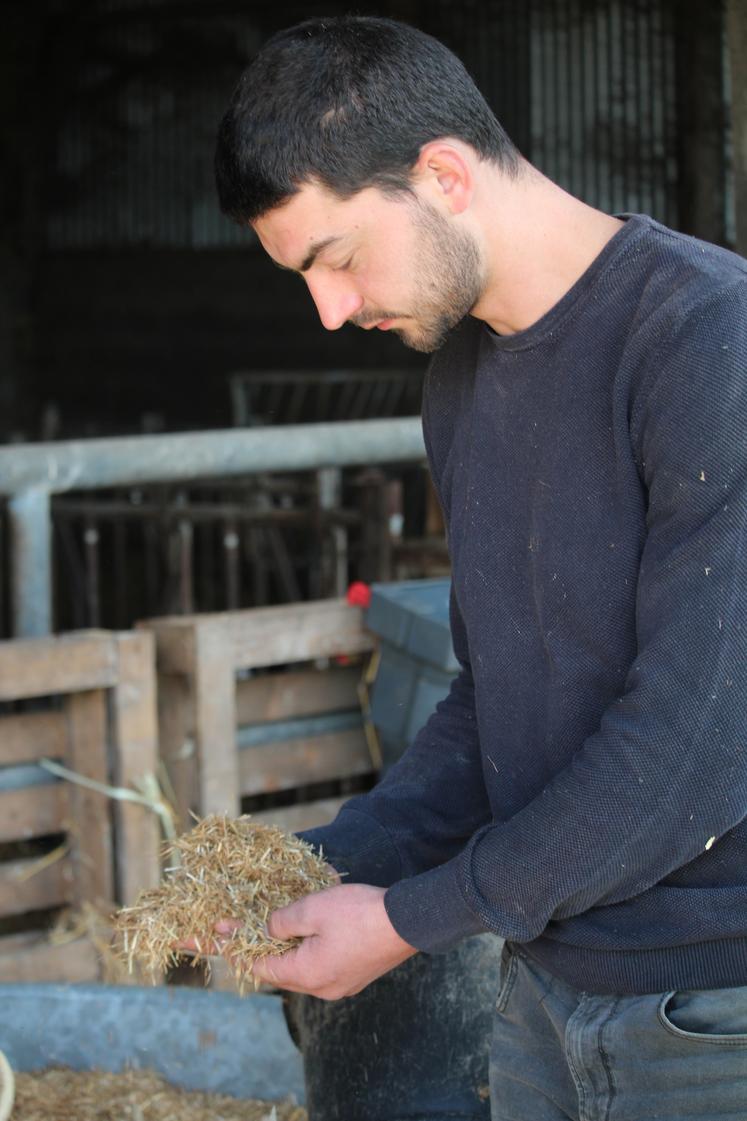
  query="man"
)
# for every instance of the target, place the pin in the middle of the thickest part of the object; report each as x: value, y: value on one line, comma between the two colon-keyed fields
x: 582, y: 790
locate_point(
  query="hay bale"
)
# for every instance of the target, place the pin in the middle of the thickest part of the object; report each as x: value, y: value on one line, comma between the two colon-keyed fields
x: 221, y: 869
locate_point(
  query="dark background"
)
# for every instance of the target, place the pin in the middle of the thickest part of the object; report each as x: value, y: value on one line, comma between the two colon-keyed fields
x: 127, y: 300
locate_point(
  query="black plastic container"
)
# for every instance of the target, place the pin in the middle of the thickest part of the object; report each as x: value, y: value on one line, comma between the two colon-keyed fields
x: 413, y: 1046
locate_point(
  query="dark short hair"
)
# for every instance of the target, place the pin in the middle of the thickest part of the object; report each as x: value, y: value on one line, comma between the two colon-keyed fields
x: 348, y: 102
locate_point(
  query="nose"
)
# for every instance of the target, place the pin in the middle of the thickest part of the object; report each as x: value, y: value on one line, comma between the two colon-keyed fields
x: 336, y: 300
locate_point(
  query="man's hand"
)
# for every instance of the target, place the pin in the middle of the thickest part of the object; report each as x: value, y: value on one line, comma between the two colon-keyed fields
x: 348, y: 941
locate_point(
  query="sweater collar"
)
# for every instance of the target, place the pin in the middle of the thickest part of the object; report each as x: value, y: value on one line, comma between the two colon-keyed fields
x: 632, y: 228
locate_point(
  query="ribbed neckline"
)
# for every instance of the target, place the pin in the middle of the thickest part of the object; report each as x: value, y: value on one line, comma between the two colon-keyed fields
x: 633, y: 226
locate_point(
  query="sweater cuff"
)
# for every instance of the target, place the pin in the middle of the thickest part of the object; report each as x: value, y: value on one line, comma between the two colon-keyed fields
x: 429, y: 910
x: 358, y: 847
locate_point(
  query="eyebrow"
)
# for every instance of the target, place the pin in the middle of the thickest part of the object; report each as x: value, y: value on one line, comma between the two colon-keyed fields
x: 313, y: 253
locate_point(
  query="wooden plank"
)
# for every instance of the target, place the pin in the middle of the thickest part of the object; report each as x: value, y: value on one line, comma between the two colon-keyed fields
x: 29, y: 736
x: 33, y: 812
x: 22, y: 888
x: 135, y: 735
x: 90, y: 818
x: 215, y: 721
x: 30, y: 957
x: 296, y: 632
x: 297, y: 762
x: 39, y: 667
x: 306, y: 815
x: 176, y: 742
x: 265, y: 636
x: 276, y: 696
x: 175, y: 639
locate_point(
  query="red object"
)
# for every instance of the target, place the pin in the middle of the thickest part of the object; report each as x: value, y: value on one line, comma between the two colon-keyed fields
x: 359, y: 594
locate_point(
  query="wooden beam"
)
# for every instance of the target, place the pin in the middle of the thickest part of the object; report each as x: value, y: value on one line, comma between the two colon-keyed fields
x: 175, y: 637
x: 265, y: 636
x: 26, y: 885
x: 39, y: 667
x: 296, y: 632
x: 30, y: 957
x: 35, y: 811
x: 306, y: 815
x: 135, y: 733
x: 177, y: 744
x: 215, y: 721
x: 308, y: 692
x: 90, y: 818
x: 298, y: 762
x: 29, y: 736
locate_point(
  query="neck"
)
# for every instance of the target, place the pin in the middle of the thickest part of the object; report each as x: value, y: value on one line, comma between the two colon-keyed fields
x: 537, y: 241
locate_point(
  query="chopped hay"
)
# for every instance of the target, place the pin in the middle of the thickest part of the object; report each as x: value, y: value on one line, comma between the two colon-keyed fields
x: 224, y: 869
x: 94, y: 923
x: 133, y: 1095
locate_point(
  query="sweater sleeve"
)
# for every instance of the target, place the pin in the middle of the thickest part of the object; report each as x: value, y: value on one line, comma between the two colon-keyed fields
x: 428, y: 804
x: 665, y: 774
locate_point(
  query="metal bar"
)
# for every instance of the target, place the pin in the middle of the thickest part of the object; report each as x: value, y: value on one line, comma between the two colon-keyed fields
x: 88, y: 464
x: 30, y: 521
x: 117, y: 511
x: 32, y: 473
x: 91, y: 543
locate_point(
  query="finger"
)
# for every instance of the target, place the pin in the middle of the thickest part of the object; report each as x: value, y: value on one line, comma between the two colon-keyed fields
x: 197, y: 946
x: 297, y: 920
x: 227, y: 926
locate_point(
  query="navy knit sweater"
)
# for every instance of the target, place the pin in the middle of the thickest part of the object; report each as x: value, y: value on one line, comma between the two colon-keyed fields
x: 583, y: 788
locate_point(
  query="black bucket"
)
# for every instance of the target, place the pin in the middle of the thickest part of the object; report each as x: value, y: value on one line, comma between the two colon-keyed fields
x: 413, y: 1046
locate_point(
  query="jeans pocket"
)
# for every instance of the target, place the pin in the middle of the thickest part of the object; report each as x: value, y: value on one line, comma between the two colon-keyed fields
x: 508, y: 977
x: 713, y: 1016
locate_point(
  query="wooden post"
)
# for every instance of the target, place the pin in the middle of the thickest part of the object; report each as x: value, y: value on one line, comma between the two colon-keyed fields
x: 135, y: 732
x: 215, y: 720
x: 90, y: 819
x: 176, y: 742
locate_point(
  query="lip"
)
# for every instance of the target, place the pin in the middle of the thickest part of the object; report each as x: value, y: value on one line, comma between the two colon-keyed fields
x: 385, y: 324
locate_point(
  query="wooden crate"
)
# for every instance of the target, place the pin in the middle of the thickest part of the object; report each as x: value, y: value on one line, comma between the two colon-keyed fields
x: 98, y: 720
x: 223, y: 738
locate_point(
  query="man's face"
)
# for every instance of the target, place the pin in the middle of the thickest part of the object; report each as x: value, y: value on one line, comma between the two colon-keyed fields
x: 375, y: 260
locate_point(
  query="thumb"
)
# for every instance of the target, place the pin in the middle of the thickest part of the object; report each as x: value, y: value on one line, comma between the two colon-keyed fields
x: 294, y: 921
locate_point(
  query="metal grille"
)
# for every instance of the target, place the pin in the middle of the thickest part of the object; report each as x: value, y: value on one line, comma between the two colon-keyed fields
x: 603, y: 103
x: 585, y: 87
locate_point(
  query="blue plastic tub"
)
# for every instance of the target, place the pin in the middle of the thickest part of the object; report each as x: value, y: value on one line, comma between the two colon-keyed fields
x: 197, y: 1039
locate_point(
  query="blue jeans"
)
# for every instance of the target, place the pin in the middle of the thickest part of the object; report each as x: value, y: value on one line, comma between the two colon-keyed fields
x: 558, y: 1053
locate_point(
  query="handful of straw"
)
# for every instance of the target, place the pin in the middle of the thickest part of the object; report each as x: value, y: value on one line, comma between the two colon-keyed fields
x: 223, y: 868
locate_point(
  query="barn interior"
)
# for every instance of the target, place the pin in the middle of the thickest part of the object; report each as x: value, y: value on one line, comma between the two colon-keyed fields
x: 199, y: 485
x: 130, y: 305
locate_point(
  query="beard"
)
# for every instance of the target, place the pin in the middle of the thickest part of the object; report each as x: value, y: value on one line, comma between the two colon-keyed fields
x: 449, y: 269
x: 450, y: 280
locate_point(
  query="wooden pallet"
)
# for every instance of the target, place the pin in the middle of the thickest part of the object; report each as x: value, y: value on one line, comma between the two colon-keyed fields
x: 98, y: 719
x: 223, y: 738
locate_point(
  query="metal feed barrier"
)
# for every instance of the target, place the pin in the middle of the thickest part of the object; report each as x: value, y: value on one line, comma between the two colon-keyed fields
x: 31, y: 473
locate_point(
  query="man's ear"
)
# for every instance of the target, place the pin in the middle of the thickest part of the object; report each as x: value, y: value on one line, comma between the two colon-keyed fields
x: 444, y: 172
